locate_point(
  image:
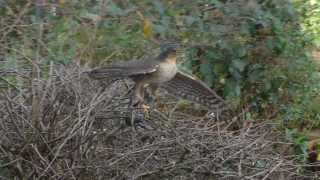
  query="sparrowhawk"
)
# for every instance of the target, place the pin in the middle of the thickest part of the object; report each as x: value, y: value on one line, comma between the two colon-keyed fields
x: 162, y: 72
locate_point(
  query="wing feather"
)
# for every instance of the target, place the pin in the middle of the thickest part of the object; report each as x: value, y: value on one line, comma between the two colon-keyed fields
x: 188, y: 87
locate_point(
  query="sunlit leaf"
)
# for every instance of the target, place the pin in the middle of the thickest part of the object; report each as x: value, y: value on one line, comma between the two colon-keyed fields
x: 147, y: 28
x: 239, y: 64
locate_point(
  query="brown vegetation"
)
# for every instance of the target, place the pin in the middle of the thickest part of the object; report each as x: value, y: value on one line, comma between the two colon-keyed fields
x: 81, y: 133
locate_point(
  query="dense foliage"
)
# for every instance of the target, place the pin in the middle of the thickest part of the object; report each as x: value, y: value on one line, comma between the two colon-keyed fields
x: 310, y: 16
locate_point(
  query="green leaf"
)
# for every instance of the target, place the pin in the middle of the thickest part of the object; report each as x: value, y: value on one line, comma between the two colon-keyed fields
x: 232, y: 89
x: 113, y: 9
x: 212, y: 55
x: 219, y: 69
x: 190, y: 20
x: 158, y: 6
x: 206, y: 70
x: 242, y: 51
x: 159, y: 29
x: 239, y: 64
x: 216, y: 3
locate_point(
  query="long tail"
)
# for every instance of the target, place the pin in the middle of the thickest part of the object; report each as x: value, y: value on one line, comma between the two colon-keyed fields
x: 109, y: 72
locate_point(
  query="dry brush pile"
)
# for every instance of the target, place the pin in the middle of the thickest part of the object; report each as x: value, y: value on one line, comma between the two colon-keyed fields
x: 70, y: 127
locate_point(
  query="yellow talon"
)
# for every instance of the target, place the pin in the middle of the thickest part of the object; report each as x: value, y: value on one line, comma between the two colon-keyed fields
x: 145, y: 109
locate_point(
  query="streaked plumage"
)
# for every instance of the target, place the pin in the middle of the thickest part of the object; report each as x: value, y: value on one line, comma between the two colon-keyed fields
x: 190, y: 88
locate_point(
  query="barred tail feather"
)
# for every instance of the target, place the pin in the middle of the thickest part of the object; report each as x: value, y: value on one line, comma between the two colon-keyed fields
x: 110, y: 72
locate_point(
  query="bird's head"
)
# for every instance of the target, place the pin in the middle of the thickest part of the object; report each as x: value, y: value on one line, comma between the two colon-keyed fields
x: 169, y: 50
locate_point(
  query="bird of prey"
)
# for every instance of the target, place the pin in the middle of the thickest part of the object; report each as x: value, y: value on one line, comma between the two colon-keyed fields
x: 162, y: 72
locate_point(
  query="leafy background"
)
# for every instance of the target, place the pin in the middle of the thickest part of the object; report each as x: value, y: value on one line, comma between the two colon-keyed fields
x: 255, y: 53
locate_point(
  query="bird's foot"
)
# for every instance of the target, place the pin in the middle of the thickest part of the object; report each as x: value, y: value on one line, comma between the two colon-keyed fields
x: 138, y: 118
x: 138, y: 103
x: 152, y: 100
x: 140, y: 112
x: 146, y: 110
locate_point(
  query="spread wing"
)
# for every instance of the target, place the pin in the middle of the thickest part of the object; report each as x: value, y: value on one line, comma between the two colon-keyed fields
x: 125, y: 69
x: 188, y: 87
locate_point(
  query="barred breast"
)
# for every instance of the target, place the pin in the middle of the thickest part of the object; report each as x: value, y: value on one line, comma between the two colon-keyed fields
x: 167, y: 71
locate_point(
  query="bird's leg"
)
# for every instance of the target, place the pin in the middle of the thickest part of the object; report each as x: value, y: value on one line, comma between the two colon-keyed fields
x: 151, y: 95
x: 137, y: 98
x: 143, y: 106
x: 138, y: 116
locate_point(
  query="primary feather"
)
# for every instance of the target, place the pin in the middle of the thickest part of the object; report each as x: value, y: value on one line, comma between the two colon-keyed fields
x: 187, y: 87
